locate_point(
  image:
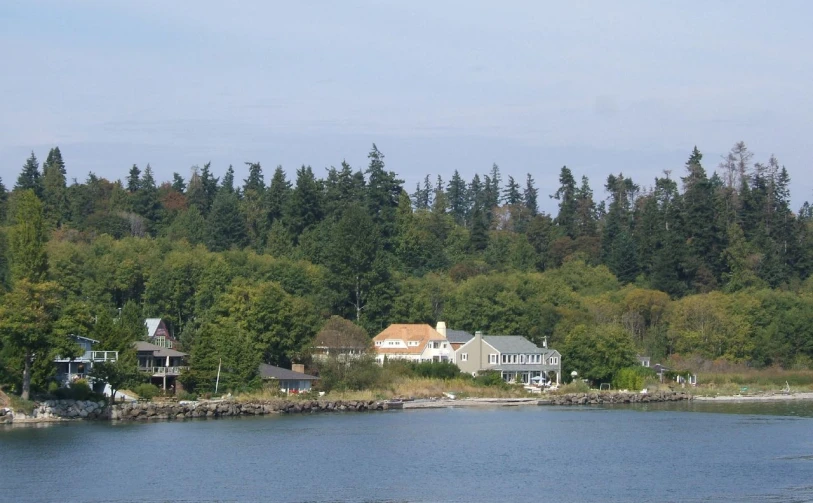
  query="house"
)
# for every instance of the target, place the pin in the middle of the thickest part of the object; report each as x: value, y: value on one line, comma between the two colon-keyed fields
x: 164, y: 365
x: 71, y: 369
x: 515, y: 357
x: 643, y: 360
x: 294, y: 380
x: 158, y: 334
x: 413, y: 342
x: 456, y: 338
x: 341, y: 344
x: 680, y: 377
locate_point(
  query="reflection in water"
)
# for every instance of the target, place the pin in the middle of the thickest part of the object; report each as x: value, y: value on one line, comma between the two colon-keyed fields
x: 656, y: 452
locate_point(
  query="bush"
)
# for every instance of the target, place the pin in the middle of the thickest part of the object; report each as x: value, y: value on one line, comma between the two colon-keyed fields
x: 632, y: 377
x: 489, y: 378
x: 186, y: 396
x: 437, y: 370
x: 146, y: 391
x: 77, y: 390
x: 575, y: 387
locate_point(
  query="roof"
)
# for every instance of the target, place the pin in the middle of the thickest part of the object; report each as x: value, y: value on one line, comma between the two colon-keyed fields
x: 512, y: 344
x: 152, y: 325
x: 143, y: 346
x: 94, y: 341
x: 421, y: 333
x: 458, y: 336
x: 272, y: 372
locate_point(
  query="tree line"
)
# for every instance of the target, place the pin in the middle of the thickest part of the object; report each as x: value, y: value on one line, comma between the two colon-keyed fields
x: 713, y: 265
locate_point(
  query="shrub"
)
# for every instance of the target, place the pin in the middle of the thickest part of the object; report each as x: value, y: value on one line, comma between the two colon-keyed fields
x: 146, y: 391
x: 632, y: 377
x: 575, y: 387
x: 489, y: 378
x: 437, y: 370
x: 186, y: 396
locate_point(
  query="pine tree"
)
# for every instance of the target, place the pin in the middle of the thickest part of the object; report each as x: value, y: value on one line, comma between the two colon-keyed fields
x: 134, y: 180
x: 30, y: 176
x: 456, y: 197
x: 383, y: 192
x: 54, y: 190
x: 423, y: 195
x: 227, y: 183
x: 530, y: 195
x: 475, y: 200
x: 586, y: 224
x: 178, y: 183
x: 277, y: 195
x: 566, y: 195
x: 146, y: 202
x: 511, y: 194
x: 226, y: 227
x: 255, y: 180
x: 209, y: 186
x: 305, y: 204
x: 3, y: 201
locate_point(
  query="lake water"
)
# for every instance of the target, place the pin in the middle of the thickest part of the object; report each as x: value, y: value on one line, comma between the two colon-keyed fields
x: 694, y: 452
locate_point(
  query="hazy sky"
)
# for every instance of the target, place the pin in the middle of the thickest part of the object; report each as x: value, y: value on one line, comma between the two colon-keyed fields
x: 600, y: 86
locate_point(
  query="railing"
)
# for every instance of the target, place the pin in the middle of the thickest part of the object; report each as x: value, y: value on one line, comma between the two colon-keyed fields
x: 159, y: 371
x: 102, y: 356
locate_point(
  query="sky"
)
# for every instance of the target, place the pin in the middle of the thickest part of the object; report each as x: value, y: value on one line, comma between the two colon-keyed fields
x: 602, y: 87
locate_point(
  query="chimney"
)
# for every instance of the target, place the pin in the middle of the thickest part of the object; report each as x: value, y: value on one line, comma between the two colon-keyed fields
x: 545, y: 342
x: 298, y: 367
x: 478, y: 340
x: 441, y: 328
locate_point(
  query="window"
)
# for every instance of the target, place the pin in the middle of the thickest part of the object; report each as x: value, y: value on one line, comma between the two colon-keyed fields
x: 464, y: 357
x: 513, y: 358
x: 377, y: 343
x: 492, y: 358
x: 553, y: 360
x: 521, y: 358
x: 505, y: 358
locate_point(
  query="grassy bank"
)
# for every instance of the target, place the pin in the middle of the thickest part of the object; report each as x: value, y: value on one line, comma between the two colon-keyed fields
x: 753, y: 381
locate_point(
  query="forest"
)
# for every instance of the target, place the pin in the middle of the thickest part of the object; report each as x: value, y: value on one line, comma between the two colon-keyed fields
x: 701, y: 265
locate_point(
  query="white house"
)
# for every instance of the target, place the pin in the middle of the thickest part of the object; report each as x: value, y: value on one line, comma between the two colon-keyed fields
x: 70, y: 369
x: 413, y: 342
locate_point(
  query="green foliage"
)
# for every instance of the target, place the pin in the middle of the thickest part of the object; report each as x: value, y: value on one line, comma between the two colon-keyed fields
x: 633, y: 378
x: 597, y: 353
x: 490, y: 378
x: 437, y: 370
x: 78, y: 390
x: 146, y: 391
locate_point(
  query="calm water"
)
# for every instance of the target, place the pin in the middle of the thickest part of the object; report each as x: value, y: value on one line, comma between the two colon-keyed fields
x: 690, y: 452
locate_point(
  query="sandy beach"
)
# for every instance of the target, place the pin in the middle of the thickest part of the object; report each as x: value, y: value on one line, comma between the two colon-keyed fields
x: 772, y: 397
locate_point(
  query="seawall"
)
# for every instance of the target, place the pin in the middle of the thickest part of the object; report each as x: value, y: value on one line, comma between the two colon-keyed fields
x: 596, y: 398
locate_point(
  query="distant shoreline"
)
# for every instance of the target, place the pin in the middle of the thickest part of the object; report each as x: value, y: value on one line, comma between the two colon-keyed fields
x: 756, y: 398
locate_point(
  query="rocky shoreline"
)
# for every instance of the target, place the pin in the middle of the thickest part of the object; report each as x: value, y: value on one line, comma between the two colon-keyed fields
x: 73, y: 410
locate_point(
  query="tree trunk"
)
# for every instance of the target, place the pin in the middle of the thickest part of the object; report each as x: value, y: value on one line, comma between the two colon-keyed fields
x: 26, y: 394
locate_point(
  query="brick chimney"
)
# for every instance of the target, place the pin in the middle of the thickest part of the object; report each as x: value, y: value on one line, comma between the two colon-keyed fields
x: 298, y: 367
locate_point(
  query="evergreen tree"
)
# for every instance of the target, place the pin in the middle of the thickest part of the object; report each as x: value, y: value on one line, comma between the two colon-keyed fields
x: 3, y: 201
x: 209, y: 187
x: 566, y: 195
x: 585, y: 219
x: 305, y: 205
x: 255, y: 180
x: 277, y: 195
x: 456, y: 196
x: 530, y: 195
x: 226, y: 227
x: 134, y: 180
x: 476, y: 201
x: 512, y: 195
x: 145, y: 201
x: 423, y: 195
x: 178, y: 183
x: 383, y: 191
x: 700, y: 222
x: 30, y: 176
x: 54, y: 190
x: 227, y: 183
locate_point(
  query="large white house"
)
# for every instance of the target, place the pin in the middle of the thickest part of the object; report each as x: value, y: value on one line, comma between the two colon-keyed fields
x: 413, y: 342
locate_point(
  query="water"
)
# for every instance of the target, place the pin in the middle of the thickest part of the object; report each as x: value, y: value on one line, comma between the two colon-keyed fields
x: 695, y: 452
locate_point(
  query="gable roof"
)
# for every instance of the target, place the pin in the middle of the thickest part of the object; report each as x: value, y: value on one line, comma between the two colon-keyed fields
x: 272, y: 372
x: 144, y: 346
x: 512, y: 344
x: 458, y: 336
x: 407, y: 332
x: 152, y: 325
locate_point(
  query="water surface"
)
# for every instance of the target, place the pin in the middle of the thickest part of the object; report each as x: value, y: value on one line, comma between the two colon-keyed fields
x: 696, y: 452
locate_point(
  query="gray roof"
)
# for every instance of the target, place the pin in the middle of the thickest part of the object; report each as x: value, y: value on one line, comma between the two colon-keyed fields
x: 458, y: 336
x: 272, y: 372
x: 512, y: 344
x: 143, y: 346
x: 152, y: 325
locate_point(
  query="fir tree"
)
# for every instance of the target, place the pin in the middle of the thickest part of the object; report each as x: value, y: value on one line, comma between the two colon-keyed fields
x: 255, y: 180
x: 226, y: 227
x: 54, y: 190
x: 134, y: 180
x: 30, y: 176
x: 511, y: 194
x: 178, y: 183
x: 277, y: 195
x: 529, y: 195
x: 456, y: 196
x: 566, y: 195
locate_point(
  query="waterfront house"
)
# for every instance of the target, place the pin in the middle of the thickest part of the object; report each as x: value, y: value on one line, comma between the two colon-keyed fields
x: 293, y: 380
x: 456, y: 338
x: 163, y: 365
x: 413, y: 342
x: 333, y: 343
x: 643, y: 360
x: 516, y: 358
x: 71, y: 369
x: 158, y: 334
